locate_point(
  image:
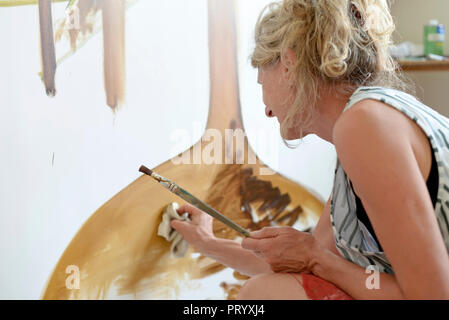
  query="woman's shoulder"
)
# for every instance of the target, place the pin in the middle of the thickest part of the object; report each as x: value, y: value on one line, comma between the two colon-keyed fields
x: 370, y: 117
x: 386, y: 113
x: 372, y: 132
x: 378, y: 108
x: 389, y: 96
x: 385, y: 90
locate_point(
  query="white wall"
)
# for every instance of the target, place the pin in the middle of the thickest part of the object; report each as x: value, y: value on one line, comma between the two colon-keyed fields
x: 410, y: 17
x: 62, y: 158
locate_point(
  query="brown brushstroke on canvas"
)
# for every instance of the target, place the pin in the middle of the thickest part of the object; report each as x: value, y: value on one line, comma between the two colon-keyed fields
x: 231, y: 289
x: 114, y: 51
x: 260, y: 204
x: 117, y: 250
x: 47, y: 47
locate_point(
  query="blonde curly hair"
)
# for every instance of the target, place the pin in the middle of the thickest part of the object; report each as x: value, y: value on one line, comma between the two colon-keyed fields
x: 338, y: 43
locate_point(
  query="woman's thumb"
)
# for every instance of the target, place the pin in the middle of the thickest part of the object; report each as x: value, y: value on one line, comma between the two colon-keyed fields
x: 177, y: 224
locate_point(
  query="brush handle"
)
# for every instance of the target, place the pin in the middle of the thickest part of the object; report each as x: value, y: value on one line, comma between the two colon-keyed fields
x: 209, y: 210
x: 190, y: 198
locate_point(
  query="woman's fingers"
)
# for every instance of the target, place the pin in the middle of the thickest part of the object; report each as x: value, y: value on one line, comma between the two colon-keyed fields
x: 250, y: 244
x: 260, y: 245
x: 194, y: 213
x: 256, y: 240
x: 187, y: 208
x: 197, y: 231
x: 267, y: 232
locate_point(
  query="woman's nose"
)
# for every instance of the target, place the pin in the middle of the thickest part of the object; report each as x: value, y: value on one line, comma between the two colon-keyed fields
x: 259, y: 76
x: 268, y: 112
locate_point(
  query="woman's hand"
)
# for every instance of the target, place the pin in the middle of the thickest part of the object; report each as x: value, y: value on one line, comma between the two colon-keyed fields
x: 197, y: 231
x: 285, y: 249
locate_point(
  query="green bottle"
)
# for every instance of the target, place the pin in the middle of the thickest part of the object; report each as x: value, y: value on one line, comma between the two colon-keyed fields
x: 434, y: 38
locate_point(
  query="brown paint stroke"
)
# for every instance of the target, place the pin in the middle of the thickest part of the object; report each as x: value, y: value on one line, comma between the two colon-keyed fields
x: 260, y: 203
x: 47, y: 47
x: 114, y: 51
x: 231, y: 290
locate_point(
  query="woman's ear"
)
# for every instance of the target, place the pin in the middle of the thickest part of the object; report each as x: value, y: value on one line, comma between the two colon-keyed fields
x: 290, y: 59
x: 288, y: 64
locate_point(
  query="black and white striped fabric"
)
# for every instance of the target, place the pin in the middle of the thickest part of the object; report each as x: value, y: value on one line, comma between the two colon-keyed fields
x: 353, y: 240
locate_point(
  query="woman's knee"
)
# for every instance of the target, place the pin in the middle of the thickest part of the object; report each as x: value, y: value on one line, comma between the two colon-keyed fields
x: 252, y: 287
x: 273, y: 286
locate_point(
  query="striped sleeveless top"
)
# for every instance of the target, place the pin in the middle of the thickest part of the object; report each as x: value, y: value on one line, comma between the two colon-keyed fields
x: 353, y: 239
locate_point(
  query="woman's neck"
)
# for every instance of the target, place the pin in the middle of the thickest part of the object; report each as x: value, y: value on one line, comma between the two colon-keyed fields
x: 329, y: 108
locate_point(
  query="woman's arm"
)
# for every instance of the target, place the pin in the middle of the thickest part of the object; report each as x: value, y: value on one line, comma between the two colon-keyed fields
x: 355, y: 280
x: 323, y: 231
x: 231, y: 254
x: 351, y: 278
x: 198, y: 232
x: 289, y: 250
x: 377, y: 147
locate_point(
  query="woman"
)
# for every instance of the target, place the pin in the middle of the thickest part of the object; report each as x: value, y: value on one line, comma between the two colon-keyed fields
x: 325, y: 69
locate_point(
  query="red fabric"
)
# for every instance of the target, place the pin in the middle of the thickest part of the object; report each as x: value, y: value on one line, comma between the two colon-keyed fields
x: 319, y: 289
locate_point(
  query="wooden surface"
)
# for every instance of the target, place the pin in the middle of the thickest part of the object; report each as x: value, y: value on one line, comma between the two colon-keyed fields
x: 117, y: 250
x: 428, y: 65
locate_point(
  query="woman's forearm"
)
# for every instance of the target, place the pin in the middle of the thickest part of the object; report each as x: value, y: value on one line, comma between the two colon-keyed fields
x: 231, y: 254
x: 355, y: 280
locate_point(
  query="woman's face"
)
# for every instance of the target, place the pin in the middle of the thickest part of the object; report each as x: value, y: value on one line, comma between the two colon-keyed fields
x: 278, y: 93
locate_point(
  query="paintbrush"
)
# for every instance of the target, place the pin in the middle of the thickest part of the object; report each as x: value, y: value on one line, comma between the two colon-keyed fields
x: 187, y: 196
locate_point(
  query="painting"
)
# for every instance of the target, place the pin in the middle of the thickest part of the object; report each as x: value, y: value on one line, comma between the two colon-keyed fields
x: 116, y: 253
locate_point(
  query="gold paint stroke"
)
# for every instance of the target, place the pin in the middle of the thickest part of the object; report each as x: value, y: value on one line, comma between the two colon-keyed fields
x: 16, y: 3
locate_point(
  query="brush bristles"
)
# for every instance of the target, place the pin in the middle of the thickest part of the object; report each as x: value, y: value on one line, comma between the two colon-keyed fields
x: 145, y: 170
